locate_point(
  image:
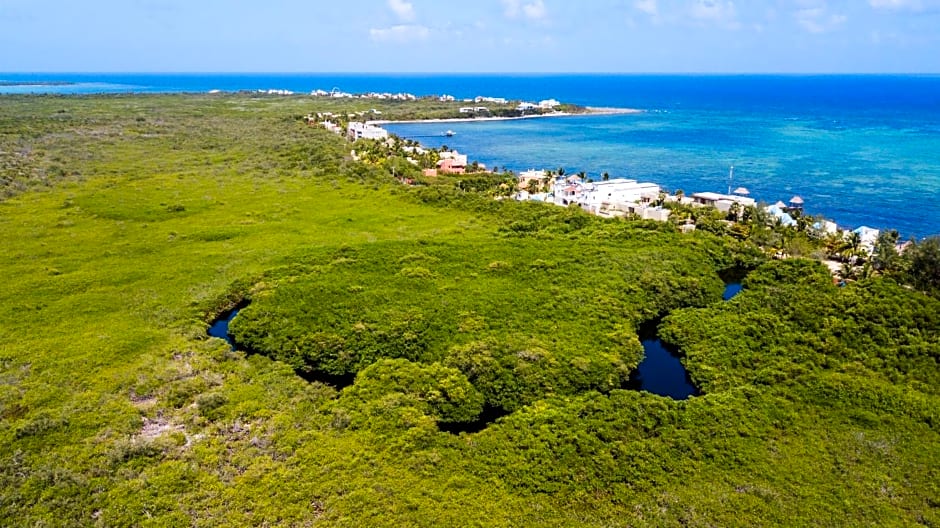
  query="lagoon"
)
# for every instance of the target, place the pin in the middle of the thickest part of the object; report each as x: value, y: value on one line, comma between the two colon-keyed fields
x: 661, y: 371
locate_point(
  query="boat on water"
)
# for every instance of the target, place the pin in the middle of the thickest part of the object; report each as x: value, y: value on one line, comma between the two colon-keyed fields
x: 450, y: 133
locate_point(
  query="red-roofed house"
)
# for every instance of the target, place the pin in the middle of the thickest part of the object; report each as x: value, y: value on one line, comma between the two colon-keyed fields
x: 450, y: 166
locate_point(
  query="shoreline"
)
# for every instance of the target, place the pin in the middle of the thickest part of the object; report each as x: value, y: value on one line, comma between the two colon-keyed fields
x: 590, y: 111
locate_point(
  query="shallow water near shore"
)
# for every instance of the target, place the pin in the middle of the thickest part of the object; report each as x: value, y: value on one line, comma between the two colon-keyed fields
x: 854, y: 172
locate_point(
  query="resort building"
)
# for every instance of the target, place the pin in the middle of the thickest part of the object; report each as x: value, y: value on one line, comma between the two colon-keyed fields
x: 779, y: 211
x: 450, y: 166
x: 549, y: 104
x: 459, y: 159
x: 868, y: 237
x: 531, y: 175
x: 722, y: 202
x: 452, y: 162
x: 642, y: 211
x: 357, y: 131
x: 826, y: 227
x: 617, y: 191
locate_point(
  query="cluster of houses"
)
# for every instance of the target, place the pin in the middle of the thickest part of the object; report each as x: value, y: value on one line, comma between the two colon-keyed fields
x: 610, y: 198
x: 354, y: 130
x: 451, y: 162
x: 620, y: 197
x: 384, y: 96
x: 276, y: 92
x: 546, y: 105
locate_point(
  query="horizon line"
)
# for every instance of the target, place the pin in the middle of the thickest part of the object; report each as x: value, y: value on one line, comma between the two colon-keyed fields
x: 480, y: 73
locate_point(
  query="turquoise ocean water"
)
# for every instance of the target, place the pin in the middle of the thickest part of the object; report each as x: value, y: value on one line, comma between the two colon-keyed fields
x: 862, y: 150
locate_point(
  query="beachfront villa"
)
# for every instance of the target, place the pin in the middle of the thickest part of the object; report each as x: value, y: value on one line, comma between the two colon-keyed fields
x: 459, y: 159
x: 452, y: 162
x: 617, y: 197
x: 779, y: 211
x: 868, y: 237
x: 530, y: 176
x: 722, y: 202
x: 449, y: 166
x: 617, y: 191
x: 357, y: 131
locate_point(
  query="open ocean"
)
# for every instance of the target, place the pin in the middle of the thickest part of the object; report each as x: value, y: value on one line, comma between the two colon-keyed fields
x: 860, y: 149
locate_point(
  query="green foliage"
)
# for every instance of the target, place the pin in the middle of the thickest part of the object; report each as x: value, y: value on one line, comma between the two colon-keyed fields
x: 791, y: 322
x: 519, y: 326
x: 441, y: 392
x: 128, y: 222
x: 923, y: 264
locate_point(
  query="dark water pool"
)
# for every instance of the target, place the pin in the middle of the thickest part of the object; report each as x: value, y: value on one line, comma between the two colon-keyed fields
x: 219, y: 327
x: 731, y: 290
x: 661, y: 371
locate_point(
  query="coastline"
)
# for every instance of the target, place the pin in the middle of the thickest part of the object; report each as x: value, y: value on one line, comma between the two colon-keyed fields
x: 589, y: 111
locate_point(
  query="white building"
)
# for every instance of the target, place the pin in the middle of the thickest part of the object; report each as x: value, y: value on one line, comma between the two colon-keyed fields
x: 494, y: 100
x: 530, y: 175
x: 826, y: 227
x: 722, y: 202
x: 523, y: 106
x: 549, y: 104
x: 781, y: 214
x: 868, y: 237
x: 617, y: 191
x: 459, y: 159
x: 332, y: 127
x: 357, y: 131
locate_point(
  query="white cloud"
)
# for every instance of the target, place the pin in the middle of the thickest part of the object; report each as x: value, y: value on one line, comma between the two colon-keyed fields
x: 818, y: 19
x: 532, y: 10
x: 721, y: 12
x: 403, y: 9
x: 535, y: 10
x: 400, y: 33
x: 908, y: 6
x: 650, y: 7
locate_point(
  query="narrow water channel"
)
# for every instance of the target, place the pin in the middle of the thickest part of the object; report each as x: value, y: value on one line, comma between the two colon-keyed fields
x: 661, y: 371
x: 219, y: 327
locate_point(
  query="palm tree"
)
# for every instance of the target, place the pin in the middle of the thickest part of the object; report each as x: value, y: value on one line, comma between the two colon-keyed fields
x: 847, y: 271
x: 851, y: 247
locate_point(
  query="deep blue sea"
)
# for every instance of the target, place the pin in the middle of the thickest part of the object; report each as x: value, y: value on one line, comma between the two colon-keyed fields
x: 862, y: 150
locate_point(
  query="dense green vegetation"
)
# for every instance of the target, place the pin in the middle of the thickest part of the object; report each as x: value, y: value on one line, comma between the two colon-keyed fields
x: 521, y: 320
x: 130, y: 222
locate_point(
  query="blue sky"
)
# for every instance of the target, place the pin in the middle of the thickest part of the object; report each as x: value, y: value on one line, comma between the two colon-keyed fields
x: 470, y: 36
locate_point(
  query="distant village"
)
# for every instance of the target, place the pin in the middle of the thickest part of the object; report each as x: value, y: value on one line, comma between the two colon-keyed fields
x: 522, y: 106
